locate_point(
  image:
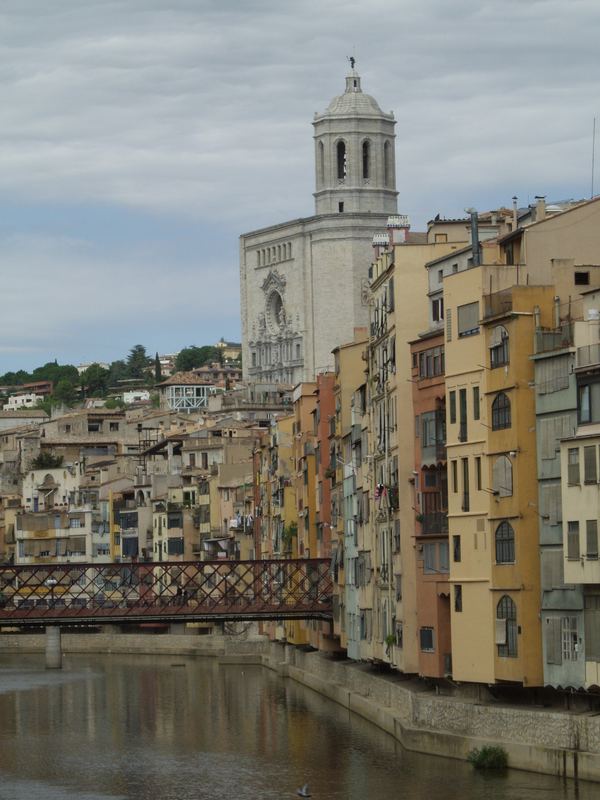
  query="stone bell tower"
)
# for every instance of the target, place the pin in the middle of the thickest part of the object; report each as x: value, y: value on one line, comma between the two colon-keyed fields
x: 302, y: 281
x: 354, y: 154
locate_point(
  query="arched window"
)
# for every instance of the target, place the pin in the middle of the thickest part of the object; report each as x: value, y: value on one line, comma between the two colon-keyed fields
x: 366, y: 160
x: 502, y: 480
x: 499, y: 347
x: 342, y: 161
x: 501, y: 412
x: 321, y: 163
x: 506, y: 627
x: 505, y: 543
x: 387, y: 164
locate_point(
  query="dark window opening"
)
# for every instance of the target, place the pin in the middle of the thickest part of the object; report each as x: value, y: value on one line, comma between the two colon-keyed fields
x: 366, y: 160
x: 342, y: 163
x: 582, y: 279
x: 341, y: 208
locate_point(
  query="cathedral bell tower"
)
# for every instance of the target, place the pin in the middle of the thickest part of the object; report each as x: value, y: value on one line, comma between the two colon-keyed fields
x: 355, y: 154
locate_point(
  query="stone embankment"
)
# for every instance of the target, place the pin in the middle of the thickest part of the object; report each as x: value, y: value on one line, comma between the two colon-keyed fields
x: 537, y: 739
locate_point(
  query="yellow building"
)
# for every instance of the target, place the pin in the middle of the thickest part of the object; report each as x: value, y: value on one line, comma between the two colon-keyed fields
x: 492, y: 474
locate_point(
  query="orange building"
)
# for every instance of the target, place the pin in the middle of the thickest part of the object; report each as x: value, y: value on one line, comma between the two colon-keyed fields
x: 431, y: 504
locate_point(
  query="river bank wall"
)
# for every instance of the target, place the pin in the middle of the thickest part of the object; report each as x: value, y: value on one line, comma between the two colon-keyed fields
x: 536, y: 739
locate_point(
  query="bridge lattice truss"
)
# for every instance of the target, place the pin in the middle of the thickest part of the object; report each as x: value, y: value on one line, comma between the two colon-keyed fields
x: 165, y: 591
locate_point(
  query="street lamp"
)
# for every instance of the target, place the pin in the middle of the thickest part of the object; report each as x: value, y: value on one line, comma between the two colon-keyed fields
x: 50, y: 584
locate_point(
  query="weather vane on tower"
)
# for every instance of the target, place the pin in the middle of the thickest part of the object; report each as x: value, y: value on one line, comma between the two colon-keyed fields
x: 352, y: 61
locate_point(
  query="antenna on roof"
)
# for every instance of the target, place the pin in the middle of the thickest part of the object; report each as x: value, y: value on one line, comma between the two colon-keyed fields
x: 593, y: 154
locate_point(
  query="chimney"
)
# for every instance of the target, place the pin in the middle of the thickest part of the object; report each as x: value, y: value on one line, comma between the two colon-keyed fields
x: 398, y: 227
x: 515, y: 213
x: 475, y: 246
x: 381, y: 243
x: 540, y: 207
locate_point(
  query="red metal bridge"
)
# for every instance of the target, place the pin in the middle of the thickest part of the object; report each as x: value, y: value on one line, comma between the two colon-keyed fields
x: 193, y: 591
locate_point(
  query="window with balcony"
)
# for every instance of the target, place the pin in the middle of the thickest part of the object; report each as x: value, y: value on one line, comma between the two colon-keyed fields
x: 501, y: 417
x: 499, y: 355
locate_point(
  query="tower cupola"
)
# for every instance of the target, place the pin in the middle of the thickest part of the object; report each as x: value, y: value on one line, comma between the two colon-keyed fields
x: 355, y: 154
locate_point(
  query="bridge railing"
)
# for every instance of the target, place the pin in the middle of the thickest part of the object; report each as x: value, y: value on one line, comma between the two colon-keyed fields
x: 196, y: 589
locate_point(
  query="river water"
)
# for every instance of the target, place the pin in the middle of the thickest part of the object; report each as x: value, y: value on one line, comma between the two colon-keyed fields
x: 177, y: 728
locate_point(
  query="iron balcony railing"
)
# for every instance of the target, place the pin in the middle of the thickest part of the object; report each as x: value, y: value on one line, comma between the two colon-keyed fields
x: 434, y: 522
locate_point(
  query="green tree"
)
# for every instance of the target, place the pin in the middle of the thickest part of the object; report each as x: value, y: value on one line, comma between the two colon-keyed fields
x: 137, y: 361
x: 94, y: 380
x: 114, y: 402
x: 193, y: 356
x: 46, y: 460
x: 157, y: 369
x: 15, y: 378
x: 117, y: 372
x: 64, y: 392
x: 55, y: 372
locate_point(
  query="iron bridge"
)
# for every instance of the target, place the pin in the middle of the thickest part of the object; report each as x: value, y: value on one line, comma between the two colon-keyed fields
x: 192, y: 591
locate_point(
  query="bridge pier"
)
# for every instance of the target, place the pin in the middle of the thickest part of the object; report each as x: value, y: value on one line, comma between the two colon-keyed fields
x: 53, y: 647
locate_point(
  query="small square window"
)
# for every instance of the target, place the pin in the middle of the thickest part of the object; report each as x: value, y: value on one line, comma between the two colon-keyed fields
x: 582, y: 279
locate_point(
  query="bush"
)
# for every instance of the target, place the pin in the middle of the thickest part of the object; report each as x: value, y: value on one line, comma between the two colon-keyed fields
x: 489, y: 757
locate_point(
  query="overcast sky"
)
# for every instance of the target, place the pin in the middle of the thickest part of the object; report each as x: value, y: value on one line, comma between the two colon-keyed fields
x: 139, y: 138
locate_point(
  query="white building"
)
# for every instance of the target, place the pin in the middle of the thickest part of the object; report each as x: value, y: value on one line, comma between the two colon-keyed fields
x: 304, y: 283
x: 136, y: 396
x: 25, y: 400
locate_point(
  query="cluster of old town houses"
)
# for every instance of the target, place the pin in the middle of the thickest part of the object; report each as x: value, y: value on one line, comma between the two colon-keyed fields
x: 420, y: 408
x: 447, y: 464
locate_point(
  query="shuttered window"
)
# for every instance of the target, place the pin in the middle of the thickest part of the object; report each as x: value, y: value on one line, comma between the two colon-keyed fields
x: 590, y: 471
x: 552, y: 375
x: 468, y: 319
x: 552, y: 631
x: 591, y: 538
x: 551, y: 502
x: 573, y: 540
x: 592, y: 627
x: 552, y: 564
x: 573, y: 466
x: 502, y: 483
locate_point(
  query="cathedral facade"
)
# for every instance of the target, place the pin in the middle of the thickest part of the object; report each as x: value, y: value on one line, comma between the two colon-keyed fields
x: 303, y: 282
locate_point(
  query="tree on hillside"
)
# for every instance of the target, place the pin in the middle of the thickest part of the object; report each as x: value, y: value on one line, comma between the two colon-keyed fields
x: 137, y: 361
x: 192, y: 357
x: 157, y: 369
x: 94, y: 380
x: 117, y: 371
x: 64, y: 392
x: 15, y: 378
x: 55, y: 372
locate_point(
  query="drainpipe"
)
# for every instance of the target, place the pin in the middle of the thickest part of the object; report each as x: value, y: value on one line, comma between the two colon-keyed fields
x: 557, y: 311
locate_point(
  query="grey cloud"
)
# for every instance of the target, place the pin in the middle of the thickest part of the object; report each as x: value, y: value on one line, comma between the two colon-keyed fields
x: 201, y: 109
